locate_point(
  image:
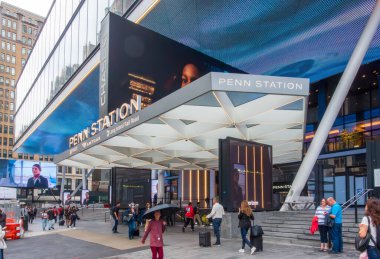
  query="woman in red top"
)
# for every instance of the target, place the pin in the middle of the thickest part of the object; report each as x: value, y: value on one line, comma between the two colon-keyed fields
x: 156, y: 228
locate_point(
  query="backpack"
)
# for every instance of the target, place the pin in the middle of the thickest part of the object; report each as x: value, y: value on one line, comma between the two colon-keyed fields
x: 256, y: 231
x: 377, y: 241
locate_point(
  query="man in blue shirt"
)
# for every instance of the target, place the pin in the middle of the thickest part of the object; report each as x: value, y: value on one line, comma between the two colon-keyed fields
x: 336, y: 230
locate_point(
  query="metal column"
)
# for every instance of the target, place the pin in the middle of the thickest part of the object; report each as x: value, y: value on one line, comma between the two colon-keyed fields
x: 64, y: 169
x: 334, y: 106
x: 161, y: 186
x: 84, y: 180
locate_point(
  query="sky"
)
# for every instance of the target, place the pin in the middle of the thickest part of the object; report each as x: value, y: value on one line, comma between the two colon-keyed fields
x: 40, y: 7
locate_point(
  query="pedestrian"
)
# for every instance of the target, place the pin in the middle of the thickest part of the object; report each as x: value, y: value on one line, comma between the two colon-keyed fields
x: 30, y: 214
x: 197, y: 217
x: 216, y: 214
x: 147, y: 220
x: 74, y: 217
x: 55, y: 210
x: 115, y: 216
x: 44, y: 217
x: 336, y: 230
x: 321, y: 212
x: 156, y: 228
x: 189, y: 217
x: 50, y: 213
x: 3, y: 245
x: 60, y: 213
x: 245, y: 216
x: 68, y: 215
x: 131, y: 221
x: 371, y: 220
x: 3, y: 218
x: 35, y: 212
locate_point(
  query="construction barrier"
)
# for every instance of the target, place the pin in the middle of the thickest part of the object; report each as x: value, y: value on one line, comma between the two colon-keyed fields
x: 12, y: 230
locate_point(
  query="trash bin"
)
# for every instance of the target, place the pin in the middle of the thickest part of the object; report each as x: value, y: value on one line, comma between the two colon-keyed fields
x: 26, y: 222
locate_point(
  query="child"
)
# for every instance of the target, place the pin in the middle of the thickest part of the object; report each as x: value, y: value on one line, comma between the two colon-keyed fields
x: 156, y: 228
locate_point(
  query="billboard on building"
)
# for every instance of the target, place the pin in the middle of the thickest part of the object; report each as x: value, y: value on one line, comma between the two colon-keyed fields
x: 137, y: 61
x: 8, y: 193
x: 29, y: 174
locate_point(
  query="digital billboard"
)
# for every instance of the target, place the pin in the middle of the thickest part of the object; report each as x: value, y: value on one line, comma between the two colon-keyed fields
x: 29, y: 174
x: 137, y: 61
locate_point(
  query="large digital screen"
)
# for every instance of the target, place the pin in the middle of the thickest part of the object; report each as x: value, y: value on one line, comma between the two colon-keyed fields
x: 29, y: 174
x: 138, y: 61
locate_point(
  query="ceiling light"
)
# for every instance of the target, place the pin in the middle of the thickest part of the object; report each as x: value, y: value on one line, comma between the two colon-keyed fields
x: 317, y: 90
x: 358, y: 88
x: 363, y: 76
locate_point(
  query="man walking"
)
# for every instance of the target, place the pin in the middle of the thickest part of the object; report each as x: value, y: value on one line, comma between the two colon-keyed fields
x: 189, y: 217
x: 216, y: 214
x: 115, y: 216
x: 336, y: 230
x: 50, y: 213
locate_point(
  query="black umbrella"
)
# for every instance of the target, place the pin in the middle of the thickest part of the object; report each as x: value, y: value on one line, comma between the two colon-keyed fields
x: 166, y: 210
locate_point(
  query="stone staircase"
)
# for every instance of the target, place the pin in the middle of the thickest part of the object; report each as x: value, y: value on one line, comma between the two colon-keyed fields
x: 294, y: 227
x: 94, y: 214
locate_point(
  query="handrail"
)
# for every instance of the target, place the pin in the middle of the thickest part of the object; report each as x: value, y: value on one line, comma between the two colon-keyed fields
x: 354, y: 199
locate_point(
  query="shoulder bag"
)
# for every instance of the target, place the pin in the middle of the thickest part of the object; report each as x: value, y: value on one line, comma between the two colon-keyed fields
x: 361, y: 244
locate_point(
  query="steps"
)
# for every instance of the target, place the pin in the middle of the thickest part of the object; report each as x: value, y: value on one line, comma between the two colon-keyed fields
x: 294, y: 227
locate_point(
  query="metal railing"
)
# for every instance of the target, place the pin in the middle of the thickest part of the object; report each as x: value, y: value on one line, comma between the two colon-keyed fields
x: 354, y: 201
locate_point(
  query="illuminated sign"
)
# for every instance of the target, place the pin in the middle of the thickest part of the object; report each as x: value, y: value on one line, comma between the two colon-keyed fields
x: 107, y: 121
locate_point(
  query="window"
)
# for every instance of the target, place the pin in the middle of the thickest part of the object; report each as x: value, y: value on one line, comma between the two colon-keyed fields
x: 7, y: 94
x: 6, y: 117
x: 23, y: 51
x: 1, y: 105
x: 23, y: 39
x: 8, y: 46
x: 4, y: 153
x: 3, y: 45
x: 8, y: 58
x: 13, y: 48
x: 1, y: 92
x: 13, y: 83
x: 12, y: 106
x: 7, y: 81
x: 11, y: 141
x: 19, y: 156
x: 13, y: 60
x: 28, y: 51
x: 25, y: 156
x: 1, y: 80
x: 14, y: 36
x: 23, y: 62
x: 30, y: 30
x: 7, y: 105
x: 35, y: 32
x: 24, y: 28
x: 9, y: 34
x: 9, y: 23
x: 7, y: 69
x: 14, y: 26
x: 5, y: 141
x: 30, y: 42
x: 1, y: 116
x: 1, y: 129
x: 13, y: 71
x: 10, y: 130
x: 4, y: 22
x: 2, y: 56
x: 3, y: 33
x: 12, y: 94
x: 5, y: 129
x: 2, y: 68
x: 11, y: 119
x: 10, y: 153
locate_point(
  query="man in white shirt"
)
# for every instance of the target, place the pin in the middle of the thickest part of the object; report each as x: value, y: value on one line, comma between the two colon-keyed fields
x: 216, y: 214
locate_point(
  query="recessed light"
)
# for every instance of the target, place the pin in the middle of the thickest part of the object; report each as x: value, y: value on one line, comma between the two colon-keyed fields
x: 374, y: 83
x: 358, y: 88
x: 364, y: 76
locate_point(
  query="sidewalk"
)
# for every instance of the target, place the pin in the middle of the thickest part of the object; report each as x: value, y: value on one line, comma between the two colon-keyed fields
x: 93, y: 239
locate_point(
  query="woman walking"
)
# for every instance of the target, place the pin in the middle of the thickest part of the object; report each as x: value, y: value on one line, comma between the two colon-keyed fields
x: 44, y: 217
x: 245, y: 216
x: 371, y: 221
x: 156, y: 228
x: 323, y: 229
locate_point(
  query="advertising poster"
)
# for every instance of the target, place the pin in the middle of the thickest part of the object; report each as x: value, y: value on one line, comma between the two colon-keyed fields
x: 8, y: 193
x: 29, y: 174
x: 85, y: 197
x: 66, y: 198
x: 238, y: 184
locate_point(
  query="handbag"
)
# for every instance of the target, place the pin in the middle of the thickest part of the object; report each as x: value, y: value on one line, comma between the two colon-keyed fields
x: 329, y: 221
x: 361, y: 244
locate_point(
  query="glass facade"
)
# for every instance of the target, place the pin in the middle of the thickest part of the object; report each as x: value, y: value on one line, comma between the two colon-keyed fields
x: 68, y: 37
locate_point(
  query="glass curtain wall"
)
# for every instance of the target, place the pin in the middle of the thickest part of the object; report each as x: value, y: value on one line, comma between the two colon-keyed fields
x: 56, y: 57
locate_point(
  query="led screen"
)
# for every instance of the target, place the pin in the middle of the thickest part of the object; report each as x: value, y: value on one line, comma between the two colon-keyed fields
x: 30, y: 174
x: 143, y: 62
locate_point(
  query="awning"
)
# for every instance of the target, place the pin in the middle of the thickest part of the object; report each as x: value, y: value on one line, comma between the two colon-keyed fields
x: 181, y: 131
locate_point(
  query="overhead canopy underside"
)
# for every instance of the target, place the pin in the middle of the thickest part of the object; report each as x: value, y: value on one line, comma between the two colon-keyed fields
x: 186, y: 136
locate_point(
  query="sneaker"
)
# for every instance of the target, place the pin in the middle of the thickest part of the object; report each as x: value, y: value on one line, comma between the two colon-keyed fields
x: 216, y: 244
x: 241, y: 250
x: 253, y: 249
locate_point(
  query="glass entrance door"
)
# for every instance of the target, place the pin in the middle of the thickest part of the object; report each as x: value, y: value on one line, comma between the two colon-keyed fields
x: 357, y: 181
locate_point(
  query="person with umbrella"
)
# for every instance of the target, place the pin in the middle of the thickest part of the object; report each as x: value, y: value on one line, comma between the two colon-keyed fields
x: 156, y: 228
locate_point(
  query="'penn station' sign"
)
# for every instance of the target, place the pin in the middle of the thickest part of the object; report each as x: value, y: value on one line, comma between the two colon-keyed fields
x: 107, y: 121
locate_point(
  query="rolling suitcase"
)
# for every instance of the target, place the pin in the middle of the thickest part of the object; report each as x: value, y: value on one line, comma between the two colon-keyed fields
x: 62, y: 223
x: 257, y: 242
x: 205, y: 238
